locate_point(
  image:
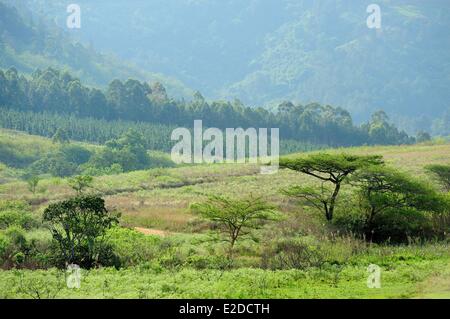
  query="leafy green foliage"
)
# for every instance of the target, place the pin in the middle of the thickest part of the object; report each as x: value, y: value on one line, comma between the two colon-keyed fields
x: 394, y: 204
x: 80, y: 183
x: 14, y: 247
x: 127, y: 152
x: 381, y: 132
x: 297, y: 253
x: 76, y: 154
x: 423, y: 137
x: 327, y: 168
x: 79, y: 226
x: 234, y: 218
x: 55, y: 164
x: 33, y: 182
x: 16, y: 213
x: 131, y: 247
x: 15, y: 156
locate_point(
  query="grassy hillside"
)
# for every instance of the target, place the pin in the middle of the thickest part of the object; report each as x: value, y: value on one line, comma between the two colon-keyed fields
x: 181, y: 260
x: 160, y: 197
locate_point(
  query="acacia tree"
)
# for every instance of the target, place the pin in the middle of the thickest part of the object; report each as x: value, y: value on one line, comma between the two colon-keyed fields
x: 234, y: 218
x: 33, y: 182
x: 79, y: 225
x: 80, y: 183
x: 328, y: 168
x: 382, y: 189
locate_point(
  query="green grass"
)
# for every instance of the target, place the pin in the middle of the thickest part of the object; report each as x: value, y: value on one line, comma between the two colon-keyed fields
x: 159, y: 199
x: 400, y: 278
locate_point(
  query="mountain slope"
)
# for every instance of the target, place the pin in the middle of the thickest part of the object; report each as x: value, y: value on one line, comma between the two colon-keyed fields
x: 28, y: 42
x: 263, y: 52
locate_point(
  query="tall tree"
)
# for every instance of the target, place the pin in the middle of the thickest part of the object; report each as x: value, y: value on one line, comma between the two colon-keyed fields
x: 234, y: 218
x: 327, y: 168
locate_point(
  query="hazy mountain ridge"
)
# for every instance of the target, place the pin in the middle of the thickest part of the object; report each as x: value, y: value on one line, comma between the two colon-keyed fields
x: 29, y: 42
x: 264, y: 52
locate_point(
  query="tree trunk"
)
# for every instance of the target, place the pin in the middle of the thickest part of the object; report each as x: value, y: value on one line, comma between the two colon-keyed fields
x: 333, y: 201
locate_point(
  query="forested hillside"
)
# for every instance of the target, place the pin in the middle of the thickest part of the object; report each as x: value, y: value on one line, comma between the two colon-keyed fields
x: 264, y: 52
x: 54, y: 91
x: 29, y: 41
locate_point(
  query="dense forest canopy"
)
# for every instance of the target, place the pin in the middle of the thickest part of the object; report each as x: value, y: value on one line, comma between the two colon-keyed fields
x: 54, y: 91
x: 264, y: 52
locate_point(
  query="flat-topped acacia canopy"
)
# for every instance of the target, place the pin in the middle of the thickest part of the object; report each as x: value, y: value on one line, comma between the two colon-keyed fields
x: 334, y: 168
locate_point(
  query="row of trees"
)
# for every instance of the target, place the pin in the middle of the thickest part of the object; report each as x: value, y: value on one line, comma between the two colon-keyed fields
x: 59, y: 92
x: 156, y: 136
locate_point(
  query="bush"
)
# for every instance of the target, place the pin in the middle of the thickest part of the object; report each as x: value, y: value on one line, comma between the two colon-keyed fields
x: 14, y: 218
x: 4, y: 246
x: 131, y: 247
x: 160, y: 160
x: 402, y: 225
x: 14, y: 247
x: 14, y: 156
x: 16, y: 213
x: 80, y: 183
x: 207, y: 262
x: 393, y: 225
x: 13, y: 205
x: 294, y: 253
x: 55, y: 164
x: 128, y: 151
x: 76, y: 154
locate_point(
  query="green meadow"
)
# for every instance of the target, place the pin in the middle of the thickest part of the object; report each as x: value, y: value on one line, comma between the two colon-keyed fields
x: 166, y: 251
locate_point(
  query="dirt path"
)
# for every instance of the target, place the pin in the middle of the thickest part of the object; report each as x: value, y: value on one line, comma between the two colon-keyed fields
x: 149, y: 231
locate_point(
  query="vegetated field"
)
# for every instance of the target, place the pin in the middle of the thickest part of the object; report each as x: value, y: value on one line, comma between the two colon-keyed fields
x: 171, y: 254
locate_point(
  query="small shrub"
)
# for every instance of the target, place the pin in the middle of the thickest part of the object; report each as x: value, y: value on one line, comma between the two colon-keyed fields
x: 40, y: 286
x: 131, y: 247
x: 296, y: 253
x: 15, y: 218
x: 14, y: 248
x: 80, y: 183
x: 207, y: 262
